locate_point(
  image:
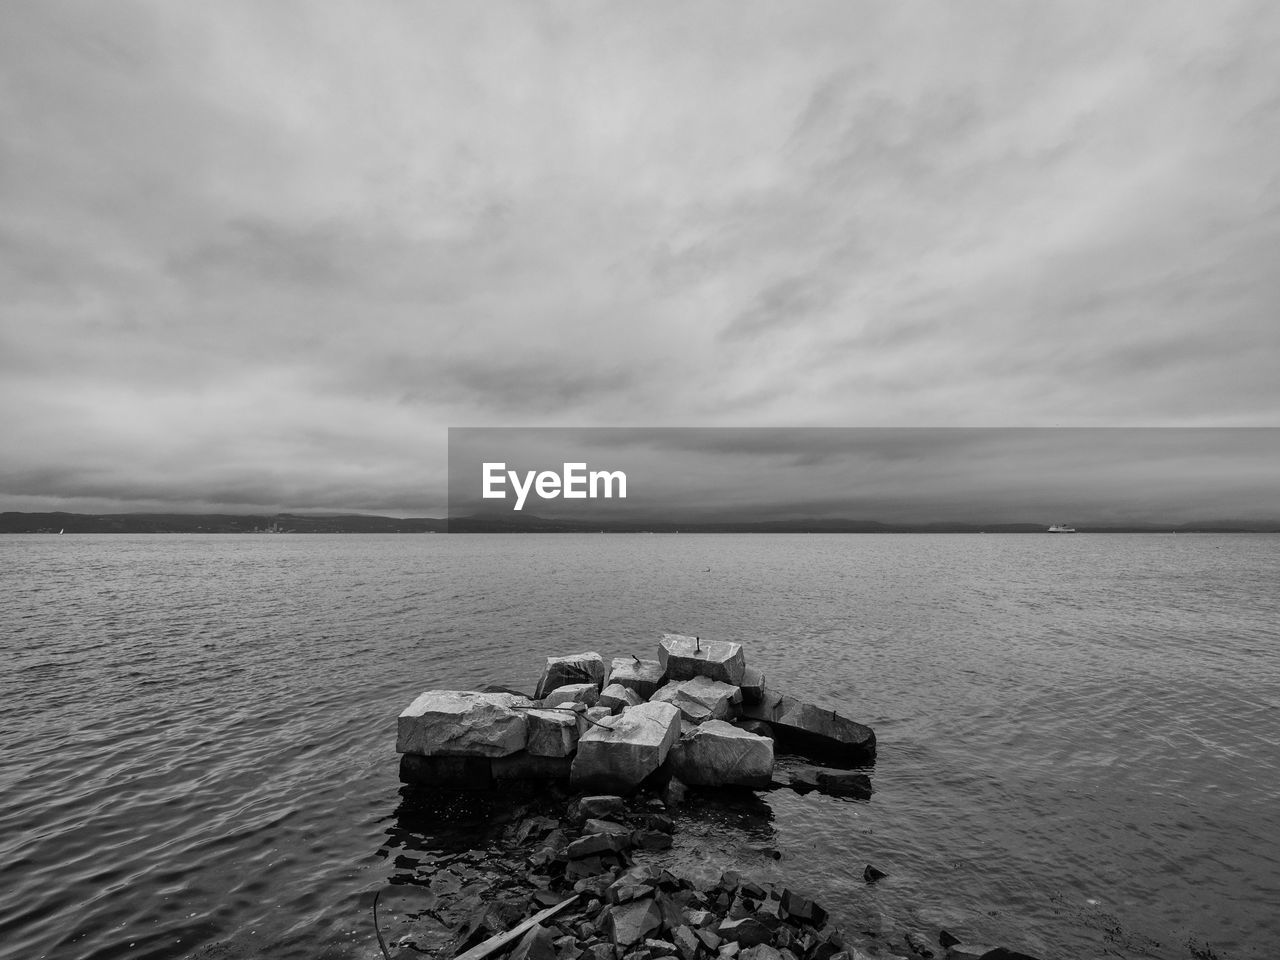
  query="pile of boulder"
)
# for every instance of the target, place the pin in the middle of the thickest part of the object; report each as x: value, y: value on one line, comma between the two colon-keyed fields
x: 697, y: 713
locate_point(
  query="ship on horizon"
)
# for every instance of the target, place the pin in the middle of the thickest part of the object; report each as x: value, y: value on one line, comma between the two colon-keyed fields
x: 1062, y: 528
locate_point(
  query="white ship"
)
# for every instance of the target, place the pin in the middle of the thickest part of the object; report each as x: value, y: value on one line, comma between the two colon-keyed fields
x: 1062, y: 528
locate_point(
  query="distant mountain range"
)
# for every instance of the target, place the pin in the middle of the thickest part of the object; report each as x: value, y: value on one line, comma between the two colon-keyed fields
x: 524, y: 523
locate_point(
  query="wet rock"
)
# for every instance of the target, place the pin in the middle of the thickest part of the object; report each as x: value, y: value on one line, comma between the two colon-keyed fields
x: 597, y: 843
x: 752, y: 685
x: 642, y: 676
x: 450, y: 773
x: 660, y: 821
x: 617, y: 697
x: 537, y: 944
x: 605, y: 826
x: 845, y: 783
x: 587, y: 693
x: 684, y: 658
x: 634, y: 746
x: 603, y: 807
x: 552, y: 733
x: 651, y: 840
x: 700, y: 699
x: 629, y: 923
x: 747, y: 932
x: 462, y: 723
x: 709, y: 938
x: 918, y: 945
x: 576, y: 668
x: 803, y: 909
x: 673, y: 792
x: 524, y: 766
x: 872, y: 874
x: 686, y: 942
x: 719, y: 754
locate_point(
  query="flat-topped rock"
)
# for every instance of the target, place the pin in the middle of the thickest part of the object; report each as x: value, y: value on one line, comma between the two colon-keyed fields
x: 813, y: 729
x: 752, y: 685
x: 575, y: 668
x: 630, y: 746
x: 552, y: 733
x: 700, y: 699
x: 684, y: 658
x: 642, y: 676
x: 718, y: 754
x: 462, y: 723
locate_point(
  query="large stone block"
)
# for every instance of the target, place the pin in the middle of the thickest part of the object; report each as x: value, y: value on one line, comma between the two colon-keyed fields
x: 642, y: 676
x: 684, y: 658
x: 552, y: 733
x: 576, y: 668
x: 462, y: 723
x: 814, y: 730
x: 626, y: 748
x: 700, y: 699
x: 718, y: 754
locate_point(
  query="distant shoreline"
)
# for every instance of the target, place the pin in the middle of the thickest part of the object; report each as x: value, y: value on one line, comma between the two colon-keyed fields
x: 54, y: 523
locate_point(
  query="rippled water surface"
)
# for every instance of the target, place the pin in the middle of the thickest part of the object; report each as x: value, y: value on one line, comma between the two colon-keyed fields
x: 1079, y: 736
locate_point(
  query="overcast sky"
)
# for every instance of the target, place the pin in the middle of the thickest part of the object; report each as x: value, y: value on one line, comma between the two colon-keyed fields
x: 261, y: 255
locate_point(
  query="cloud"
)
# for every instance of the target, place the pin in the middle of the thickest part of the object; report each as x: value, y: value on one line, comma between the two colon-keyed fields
x: 360, y: 224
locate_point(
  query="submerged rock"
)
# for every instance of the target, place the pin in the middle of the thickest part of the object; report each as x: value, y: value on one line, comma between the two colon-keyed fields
x: 700, y: 699
x: 635, y: 744
x: 576, y: 668
x: 718, y: 754
x: 684, y: 658
x: 462, y: 723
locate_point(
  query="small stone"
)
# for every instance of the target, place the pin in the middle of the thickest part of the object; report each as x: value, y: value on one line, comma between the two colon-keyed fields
x: 871, y: 874
x: 969, y: 951
x: 660, y: 821
x: 659, y: 948
x: 710, y: 940
x: 729, y: 950
x: 651, y: 840
x: 918, y: 944
x: 594, y: 825
x: 747, y: 932
x: 686, y: 942
x: 752, y: 685
x: 673, y: 793
x: 629, y: 923
x: 760, y: 952
x: 701, y: 918
x: 595, y: 844
x: 604, y: 807
x: 803, y: 909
